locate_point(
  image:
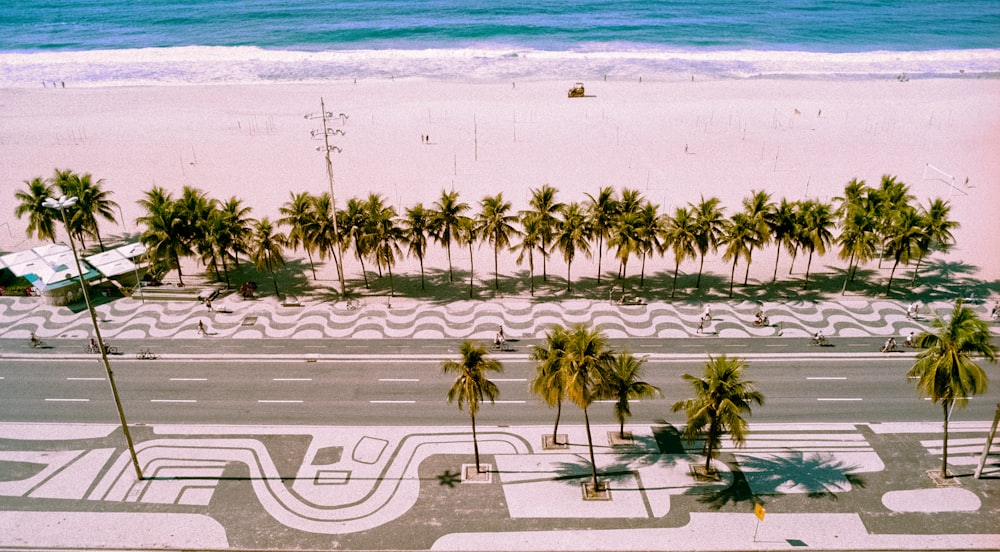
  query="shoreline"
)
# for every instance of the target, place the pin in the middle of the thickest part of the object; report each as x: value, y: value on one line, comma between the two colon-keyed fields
x: 796, y: 138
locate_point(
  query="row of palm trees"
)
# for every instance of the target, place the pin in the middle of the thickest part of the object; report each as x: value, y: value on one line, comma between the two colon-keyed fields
x: 93, y: 202
x: 576, y: 364
x: 875, y: 223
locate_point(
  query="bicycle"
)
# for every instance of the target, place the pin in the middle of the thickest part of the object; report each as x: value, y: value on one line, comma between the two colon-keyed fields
x: 145, y: 354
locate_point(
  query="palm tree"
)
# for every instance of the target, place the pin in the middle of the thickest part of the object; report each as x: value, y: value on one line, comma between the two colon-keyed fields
x: 858, y: 241
x: 237, y: 228
x: 817, y: 220
x: 625, y: 237
x: 708, y: 225
x: 573, y: 236
x: 621, y: 382
x: 352, y: 222
x: 384, y: 237
x: 783, y: 226
x: 165, y: 232
x: 93, y: 202
x: 549, y: 381
x: 738, y: 238
x: 298, y: 212
x: 530, y: 240
x: 945, y: 370
x: 680, y: 234
x: 322, y: 230
x: 466, y: 232
x: 267, y: 247
x: 472, y: 385
x: 758, y: 208
x: 936, y: 231
x: 448, y: 212
x: 601, y: 213
x: 722, y: 398
x: 586, y: 356
x: 904, y: 234
x: 651, y: 229
x: 545, y: 208
x: 889, y: 198
x: 41, y: 219
x: 416, y: 227
x: 495, y: 225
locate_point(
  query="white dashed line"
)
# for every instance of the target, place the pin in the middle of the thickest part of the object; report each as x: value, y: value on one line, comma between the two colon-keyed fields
x: 173, y: 400
x: 188, y: 379
x: 823, y: 378
x: 68, y: 400
x: 399, y: 380
x: 392, y: 402
x: 839, y: 399
x: 292, y: 379
x: 84, y: 379
x: 276, y: 401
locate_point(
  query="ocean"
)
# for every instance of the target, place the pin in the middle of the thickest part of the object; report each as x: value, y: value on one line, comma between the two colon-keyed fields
x: 115, y: 42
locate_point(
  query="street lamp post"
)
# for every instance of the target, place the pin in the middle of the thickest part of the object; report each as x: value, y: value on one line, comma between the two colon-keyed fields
x: 61, y: 204
x: 324, y: 115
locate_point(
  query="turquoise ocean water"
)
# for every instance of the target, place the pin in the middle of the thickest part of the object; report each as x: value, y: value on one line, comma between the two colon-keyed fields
x: 183, y: 41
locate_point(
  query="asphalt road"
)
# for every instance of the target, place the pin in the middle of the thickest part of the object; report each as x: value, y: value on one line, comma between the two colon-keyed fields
x: 799, y: 387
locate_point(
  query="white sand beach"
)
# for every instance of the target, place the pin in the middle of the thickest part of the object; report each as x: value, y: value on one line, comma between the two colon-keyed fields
x: 672, y: 141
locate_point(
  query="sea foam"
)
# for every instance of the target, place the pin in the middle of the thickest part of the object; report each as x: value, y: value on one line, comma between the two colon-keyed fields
x: 250, y: 64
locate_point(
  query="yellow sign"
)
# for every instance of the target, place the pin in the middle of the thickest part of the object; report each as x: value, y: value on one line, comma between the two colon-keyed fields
x: 759, y: 511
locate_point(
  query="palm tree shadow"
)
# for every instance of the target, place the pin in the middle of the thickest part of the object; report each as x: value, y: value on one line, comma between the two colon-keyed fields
x: 736, y: 493
x: 816, y: 475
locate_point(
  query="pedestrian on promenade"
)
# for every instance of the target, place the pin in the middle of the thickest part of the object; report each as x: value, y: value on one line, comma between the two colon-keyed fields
x: 208, y: 303
x: 201, y: 328
x: 701, y: 325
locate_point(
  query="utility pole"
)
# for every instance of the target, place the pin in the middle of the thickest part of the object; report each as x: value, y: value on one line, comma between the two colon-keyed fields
x: 989, y: 441
x: 326, y: 148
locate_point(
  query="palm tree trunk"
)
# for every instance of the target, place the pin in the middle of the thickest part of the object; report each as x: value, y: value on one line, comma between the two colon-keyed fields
x: 273, y: 279
x: 891, y: 274
x: 795, y: 253
x: 475, y: 442
x: 944, y: 451
x: 496, y: 266
x: 808, y: 266
x: 710, y: 445
x: 746, y: 277
x: 621, y: 274
x: 180, y: 277
x: 311, y: 265
x: 392, y: 287
x: 642, y: 271
x: 531, y: 272
x: 847, y: 274
x: 555, y: 428
x: 451, y: 272
x: 225, y: 269
x: 732, y: 276
x: 545, y: 261
x: 776, y: 257
x: 677, y: 267
x: 357, y: 251
x: 590, y: 445
x: 471, y: 270
x: 916, y: 268
x: 600, y: 249
x: 701, y: 267
x: 421, y: 257
x: 569, y: 279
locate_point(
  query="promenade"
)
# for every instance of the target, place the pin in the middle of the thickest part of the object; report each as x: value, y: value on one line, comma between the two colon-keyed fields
x: 842, y: 486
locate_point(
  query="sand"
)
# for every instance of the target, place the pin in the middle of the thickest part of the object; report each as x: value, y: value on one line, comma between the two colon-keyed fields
x: 672, y: 141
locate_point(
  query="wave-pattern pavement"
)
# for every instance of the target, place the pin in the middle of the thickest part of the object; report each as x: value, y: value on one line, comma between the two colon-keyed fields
x: 130, y: 319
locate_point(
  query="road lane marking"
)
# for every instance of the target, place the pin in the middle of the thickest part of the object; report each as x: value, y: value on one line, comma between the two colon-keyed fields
x: 173, y: 400
x: 279, y: 401
x: 841, y: 399
x: 509, y: 402
x: 827, y: 378
x: 392, y: 402
x: 510, y: 379
x: 398, y: 380
x: 188, y: 379
x: 292, y: 379
x: 68, y: 400
x: 84, y: 379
